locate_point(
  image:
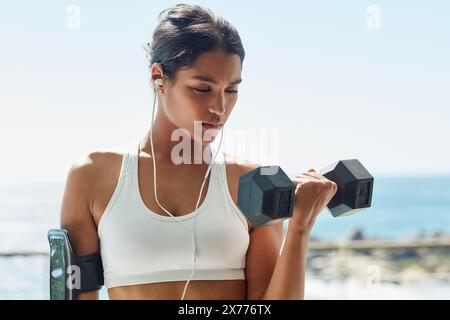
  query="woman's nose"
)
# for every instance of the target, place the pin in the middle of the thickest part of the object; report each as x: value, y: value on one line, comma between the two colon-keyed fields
x: 218, y: 105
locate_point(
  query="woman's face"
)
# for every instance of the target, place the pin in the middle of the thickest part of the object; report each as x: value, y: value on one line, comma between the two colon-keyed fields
x: 205, y: 92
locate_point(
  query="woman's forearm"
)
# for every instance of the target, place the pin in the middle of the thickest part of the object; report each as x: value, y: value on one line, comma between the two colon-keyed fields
x: 288, y: 277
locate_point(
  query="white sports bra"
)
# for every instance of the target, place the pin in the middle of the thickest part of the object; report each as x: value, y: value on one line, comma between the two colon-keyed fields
x: 139, y: 246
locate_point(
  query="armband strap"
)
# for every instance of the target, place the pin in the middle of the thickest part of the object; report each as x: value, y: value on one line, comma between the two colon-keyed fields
x: 71, y: 275
x: 91, y: 269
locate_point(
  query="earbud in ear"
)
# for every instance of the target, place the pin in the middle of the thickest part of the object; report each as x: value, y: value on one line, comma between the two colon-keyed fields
x: 159, y: 82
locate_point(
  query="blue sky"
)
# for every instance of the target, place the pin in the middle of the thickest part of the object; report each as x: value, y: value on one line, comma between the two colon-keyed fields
x: 334, y: 88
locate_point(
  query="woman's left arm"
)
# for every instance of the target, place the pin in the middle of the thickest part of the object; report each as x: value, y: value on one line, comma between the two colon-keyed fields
x: 312, y: 194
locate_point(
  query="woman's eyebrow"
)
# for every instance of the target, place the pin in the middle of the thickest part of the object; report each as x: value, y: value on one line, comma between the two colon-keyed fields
x: 207, y: 79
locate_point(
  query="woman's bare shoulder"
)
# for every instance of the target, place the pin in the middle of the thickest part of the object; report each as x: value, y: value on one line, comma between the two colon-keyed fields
x: 238, y: 165
x: 103, y: 158
x: 235, y: 168
x: 95, y: 161
x: 97, y: 166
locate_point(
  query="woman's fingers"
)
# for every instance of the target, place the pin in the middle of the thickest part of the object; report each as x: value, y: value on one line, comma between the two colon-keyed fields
x: 301, y: 179
x: 314, y: 174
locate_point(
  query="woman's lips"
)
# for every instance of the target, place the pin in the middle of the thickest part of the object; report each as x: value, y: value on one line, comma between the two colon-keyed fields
x: 210, y: 126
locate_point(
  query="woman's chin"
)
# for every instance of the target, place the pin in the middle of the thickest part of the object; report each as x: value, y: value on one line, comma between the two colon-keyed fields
x: 207, y: 142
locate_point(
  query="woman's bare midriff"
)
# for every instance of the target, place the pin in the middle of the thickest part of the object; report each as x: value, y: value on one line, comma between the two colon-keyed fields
x: 188, y: 178
x: 198, y: 289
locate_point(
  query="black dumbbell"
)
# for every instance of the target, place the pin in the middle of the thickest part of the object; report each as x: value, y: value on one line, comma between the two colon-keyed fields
x: 266, y: 194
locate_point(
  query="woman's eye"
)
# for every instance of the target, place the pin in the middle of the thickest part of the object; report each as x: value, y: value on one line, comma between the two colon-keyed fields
x: 201, y: 90
x: 207, y: 90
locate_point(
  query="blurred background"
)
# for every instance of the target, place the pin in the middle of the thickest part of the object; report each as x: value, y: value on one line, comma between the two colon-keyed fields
x: 322, y: 81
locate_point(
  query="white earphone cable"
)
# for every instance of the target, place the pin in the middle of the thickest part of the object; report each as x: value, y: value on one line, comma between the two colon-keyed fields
x: 194, y: 260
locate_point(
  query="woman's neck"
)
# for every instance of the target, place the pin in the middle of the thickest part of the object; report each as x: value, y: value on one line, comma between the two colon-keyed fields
x: 172, y: 152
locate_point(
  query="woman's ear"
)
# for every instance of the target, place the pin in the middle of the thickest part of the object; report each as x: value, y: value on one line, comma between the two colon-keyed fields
x: 157, y: 76
x: 159, y: 83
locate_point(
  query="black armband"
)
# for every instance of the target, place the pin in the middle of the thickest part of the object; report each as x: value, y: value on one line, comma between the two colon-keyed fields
x: 71, y: 275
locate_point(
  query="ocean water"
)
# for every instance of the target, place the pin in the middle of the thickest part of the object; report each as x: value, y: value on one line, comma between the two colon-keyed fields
x: 401, y: 207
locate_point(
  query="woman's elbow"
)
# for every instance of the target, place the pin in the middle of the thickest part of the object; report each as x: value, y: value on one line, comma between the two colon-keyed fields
x: 93, y: 295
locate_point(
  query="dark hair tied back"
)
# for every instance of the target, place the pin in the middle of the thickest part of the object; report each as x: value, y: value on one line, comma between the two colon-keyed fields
x: 186, y: 31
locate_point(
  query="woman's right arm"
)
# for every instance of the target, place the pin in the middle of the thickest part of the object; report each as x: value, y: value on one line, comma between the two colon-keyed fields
x: 76, y: 212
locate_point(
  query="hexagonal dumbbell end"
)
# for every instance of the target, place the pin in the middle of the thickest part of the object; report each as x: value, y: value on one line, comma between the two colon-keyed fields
x: 266, y: 195
x: 355, y: 187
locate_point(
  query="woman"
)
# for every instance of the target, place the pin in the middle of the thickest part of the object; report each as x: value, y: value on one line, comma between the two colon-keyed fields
x: 154, y: 218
